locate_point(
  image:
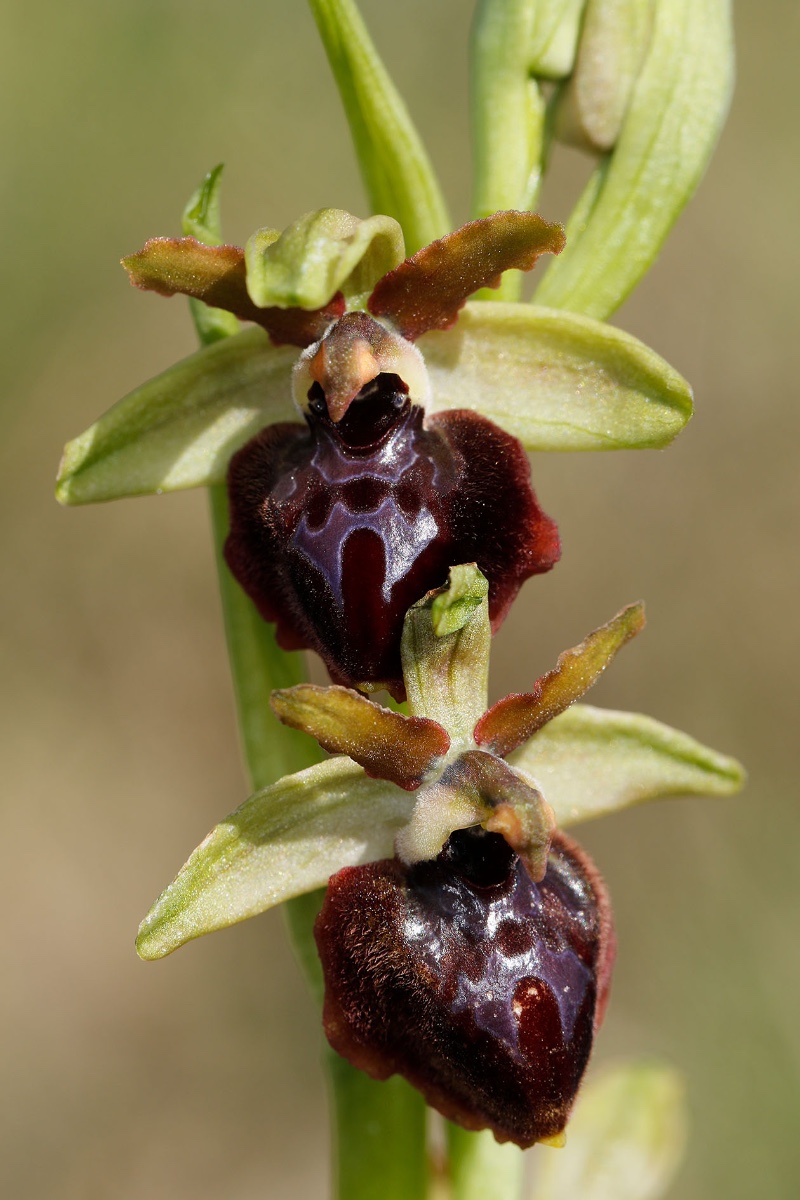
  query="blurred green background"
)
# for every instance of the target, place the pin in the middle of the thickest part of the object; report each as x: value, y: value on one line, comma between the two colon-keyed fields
x: 199, y: 1076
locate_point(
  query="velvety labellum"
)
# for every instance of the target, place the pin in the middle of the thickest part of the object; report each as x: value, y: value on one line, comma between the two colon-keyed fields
x: 481, y: 987
x: 338, y: 527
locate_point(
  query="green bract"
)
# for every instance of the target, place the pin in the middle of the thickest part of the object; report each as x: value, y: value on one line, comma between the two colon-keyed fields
x: 667, y: 134
x: 648, y: 82
x: 396, y: 170
x: 201, y: 219
x: 290, y: 837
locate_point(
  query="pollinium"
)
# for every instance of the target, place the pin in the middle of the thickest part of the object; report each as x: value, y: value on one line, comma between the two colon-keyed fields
x: 481, y: 987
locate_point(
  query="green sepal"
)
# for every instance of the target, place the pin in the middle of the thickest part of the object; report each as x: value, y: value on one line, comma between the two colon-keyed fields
x: 395, y: 167
x: 592, y: 761
x: 320, y: 254
x: 180, y: 429
x: 202, y: 220
x: 625, y: 1139
x: 445, y: 653
x: 677, y: 109
x: 567, y: 382
x: 285, y: 840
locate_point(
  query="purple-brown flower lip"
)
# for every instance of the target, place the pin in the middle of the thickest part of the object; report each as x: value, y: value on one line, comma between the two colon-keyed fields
x: 482, y: 987
x: 477, y: 961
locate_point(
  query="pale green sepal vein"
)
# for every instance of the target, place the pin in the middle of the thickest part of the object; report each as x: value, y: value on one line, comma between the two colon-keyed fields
x: 677, y: 109
x: 556, y: 380
x: 625, y: 1140
x: 285, y: 840
x: 395, y: 167
x: 592, y: 761
x: 180, y: 429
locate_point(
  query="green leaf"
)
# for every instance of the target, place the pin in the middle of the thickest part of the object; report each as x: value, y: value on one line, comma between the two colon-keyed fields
x: 445, y: 653
x: 202, y: 220
x: 320, y: 254
x: 180, y: 429
x: 283, y: 841
x: 677, y: 109
x: 567, y: 382
x: 591, y: 761
x: 396, y: 170
x: 625, y: 1140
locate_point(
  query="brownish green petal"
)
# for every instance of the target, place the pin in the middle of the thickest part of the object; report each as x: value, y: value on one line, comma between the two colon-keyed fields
x: 426, y: 291
x: 387, y: 744
x: 216, y: 275
x: 514, y: 719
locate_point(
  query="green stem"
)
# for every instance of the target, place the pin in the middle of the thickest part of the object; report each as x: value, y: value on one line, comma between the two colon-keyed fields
x: 507, y: 118
x: 379, y: 1128
x: 258, y: 666
x: 380, y: 1142
x: 480, y: 1168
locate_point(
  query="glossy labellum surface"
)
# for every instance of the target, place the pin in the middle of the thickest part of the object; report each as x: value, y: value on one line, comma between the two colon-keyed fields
x: 339, y: 526
x: 481, y: 987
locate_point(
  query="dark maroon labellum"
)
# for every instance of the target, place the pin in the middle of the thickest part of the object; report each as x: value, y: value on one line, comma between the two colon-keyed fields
x: 338, y: 528
x: 478, y: 985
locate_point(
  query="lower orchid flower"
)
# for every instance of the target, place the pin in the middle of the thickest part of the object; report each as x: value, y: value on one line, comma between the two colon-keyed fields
x: 466, y: 941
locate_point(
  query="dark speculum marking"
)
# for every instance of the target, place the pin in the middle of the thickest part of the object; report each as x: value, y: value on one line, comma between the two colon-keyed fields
x: 479, y: 986
x: 337, y: 529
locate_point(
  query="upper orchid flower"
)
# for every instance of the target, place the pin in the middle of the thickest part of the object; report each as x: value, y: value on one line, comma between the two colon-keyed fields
x: 416, y: 405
